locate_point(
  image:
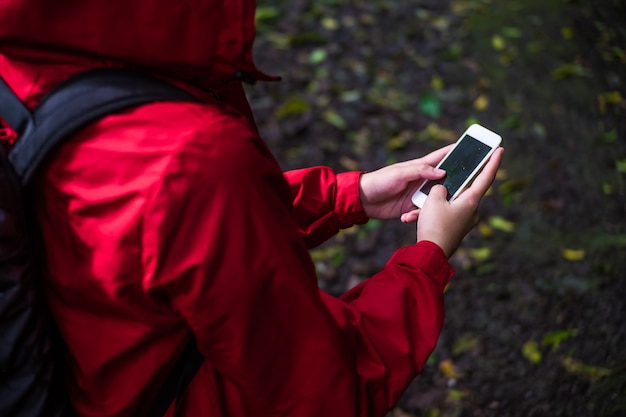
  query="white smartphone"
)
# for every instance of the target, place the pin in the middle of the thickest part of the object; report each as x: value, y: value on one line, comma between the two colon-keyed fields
x: 462, y: 163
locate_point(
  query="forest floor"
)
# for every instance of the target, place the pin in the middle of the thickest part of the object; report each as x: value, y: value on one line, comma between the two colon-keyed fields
x: 536, y: 313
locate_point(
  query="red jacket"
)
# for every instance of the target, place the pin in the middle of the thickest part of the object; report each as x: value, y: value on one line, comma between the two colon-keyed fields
x: 173, y: 217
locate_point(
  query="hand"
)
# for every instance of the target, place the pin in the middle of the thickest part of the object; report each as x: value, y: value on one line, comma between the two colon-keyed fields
x: 446, y: 223
x: 386, y: 193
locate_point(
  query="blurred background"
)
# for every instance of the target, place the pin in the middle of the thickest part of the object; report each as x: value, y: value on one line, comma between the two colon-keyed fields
x: 536, y: 314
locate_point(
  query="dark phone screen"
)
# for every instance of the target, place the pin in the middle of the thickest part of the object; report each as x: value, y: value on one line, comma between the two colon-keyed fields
x: 459, y: 164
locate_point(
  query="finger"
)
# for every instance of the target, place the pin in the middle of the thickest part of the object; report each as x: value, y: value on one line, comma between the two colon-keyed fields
x: 438, y: 192
x: 419, y: 170
x: 484, y: 180
x: 431, y: 173
x: 410, y: 216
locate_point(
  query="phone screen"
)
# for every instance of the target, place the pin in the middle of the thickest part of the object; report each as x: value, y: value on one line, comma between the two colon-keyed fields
x: 459, y: 165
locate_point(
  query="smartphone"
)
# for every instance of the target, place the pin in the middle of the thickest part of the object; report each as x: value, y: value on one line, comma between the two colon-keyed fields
x: 462, y: 163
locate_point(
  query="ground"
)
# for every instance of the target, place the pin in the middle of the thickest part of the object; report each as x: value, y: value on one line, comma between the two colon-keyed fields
x: 536, y: 313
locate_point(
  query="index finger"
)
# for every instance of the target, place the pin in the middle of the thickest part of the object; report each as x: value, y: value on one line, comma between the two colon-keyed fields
x: 483, y: 181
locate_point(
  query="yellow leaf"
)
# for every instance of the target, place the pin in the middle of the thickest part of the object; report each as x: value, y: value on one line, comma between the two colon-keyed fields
x: 480, y: 254
x: 330, y: 23
x: 575, y: 366
x: 567, y: 32
x: 484, y: 229
x: 502, y: 224
x: 573, y: 254
x: 436, y: 83
x: 531, y: 351
x: 498, y: 42
x: 434, y: 132
x: 613, y: 97
x: 294, y: 105
x: 448, y: 369
x: 481, y: 102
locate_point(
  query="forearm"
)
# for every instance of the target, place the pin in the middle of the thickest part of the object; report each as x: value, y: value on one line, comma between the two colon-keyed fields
x: 395, y: 318
x: 324, y: 202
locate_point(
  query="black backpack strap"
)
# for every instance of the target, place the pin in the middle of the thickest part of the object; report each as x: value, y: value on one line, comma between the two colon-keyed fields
x: 69, y: 107
x: 13, y: 111
x: 79, y: 101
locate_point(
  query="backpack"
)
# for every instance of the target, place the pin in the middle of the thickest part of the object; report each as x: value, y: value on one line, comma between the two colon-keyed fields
x: 30, y: 350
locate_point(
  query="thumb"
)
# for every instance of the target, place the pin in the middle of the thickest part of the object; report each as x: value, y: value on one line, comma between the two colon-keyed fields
x: 432, y: 173
x: 438, y: 192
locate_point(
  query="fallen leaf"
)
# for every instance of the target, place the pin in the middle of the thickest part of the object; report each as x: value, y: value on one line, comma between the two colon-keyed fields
x: 481, y: 102
x: 555, y: 339
x: 574, y: 366
x: 498, y: 42
x: 569, y: 70
x: 484, y: 229
x: 480, y: 254
x: 317, y: 56
x: 295, y: 104
x: 436, y: 83
x: 430, y: 105
x: 573, y: 255
x: 448, y: 369
x: 464, y: 344
x: 434, y: 132
x: 330, y: 23
x: 456, y: 395
x: 567, y: 32
x: 502, y: 224
x: 531, y: 351
x: 333, y: 118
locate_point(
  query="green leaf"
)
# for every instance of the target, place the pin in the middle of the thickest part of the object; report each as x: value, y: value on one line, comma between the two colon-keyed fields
x: 373, y: 224
x: 334, y: 255
x: 609, y: 241
x: 430, y: 105
x: 464, y: 344
x: 609, y: 137
x: 512, y: 32
x: 456, y: 395
x: 568, y: 71
x: 555, y: 339
x: 266, y: 13
x: 333, y: 118
x: 318, y: 55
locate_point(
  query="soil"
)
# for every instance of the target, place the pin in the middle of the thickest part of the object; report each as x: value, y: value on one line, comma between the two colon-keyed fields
x: 536, y: 313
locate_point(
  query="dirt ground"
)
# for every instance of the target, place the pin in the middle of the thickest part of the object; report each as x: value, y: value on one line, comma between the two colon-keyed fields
x: 536, y: 314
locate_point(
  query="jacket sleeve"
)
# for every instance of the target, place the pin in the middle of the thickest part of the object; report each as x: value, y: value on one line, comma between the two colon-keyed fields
x: 324, y: 202
x: 221, y: 244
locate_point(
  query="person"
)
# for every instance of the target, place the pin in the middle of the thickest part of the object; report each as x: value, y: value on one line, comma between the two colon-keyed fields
x: 175, y: 217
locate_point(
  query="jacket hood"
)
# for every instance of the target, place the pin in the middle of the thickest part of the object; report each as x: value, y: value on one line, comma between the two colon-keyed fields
x: 206, y: 42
